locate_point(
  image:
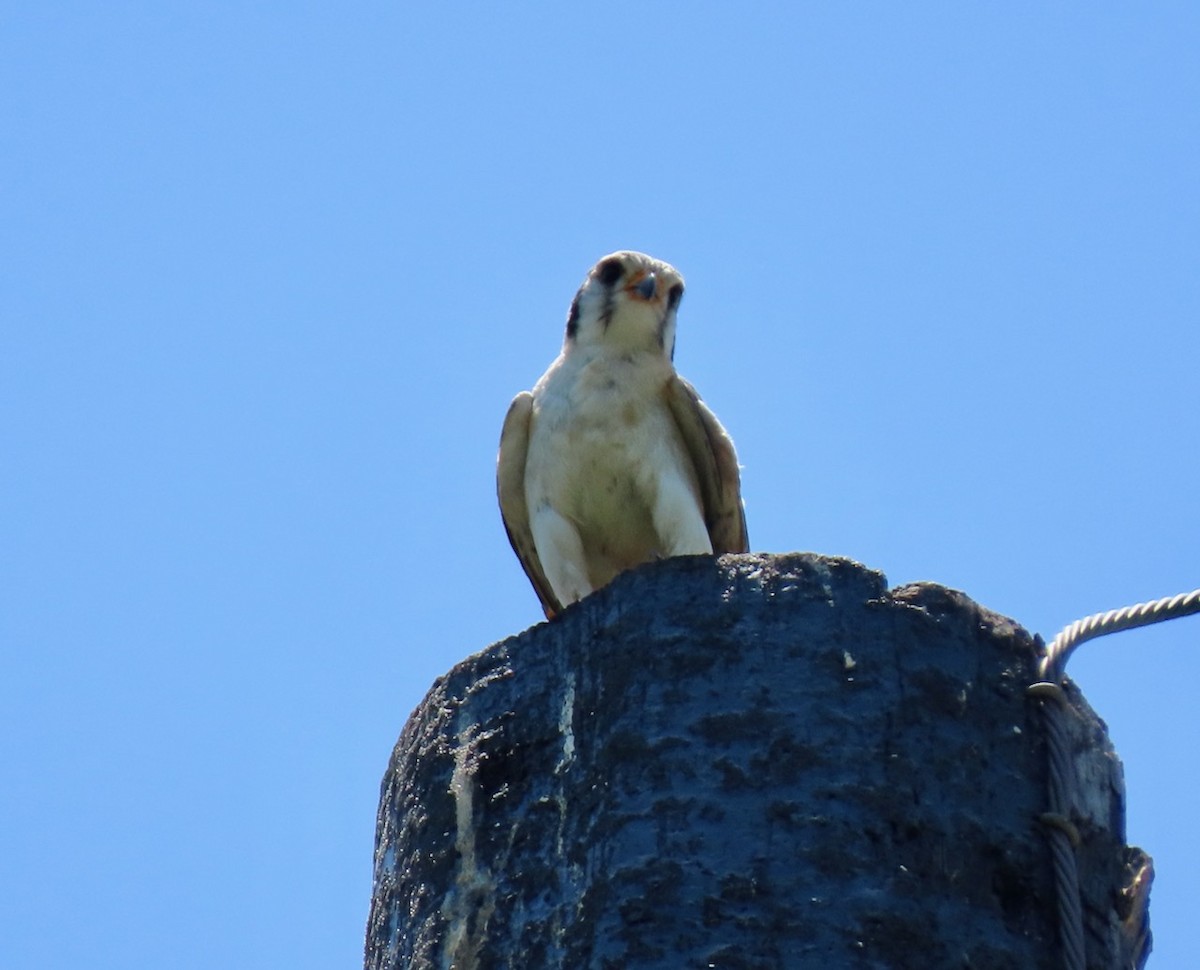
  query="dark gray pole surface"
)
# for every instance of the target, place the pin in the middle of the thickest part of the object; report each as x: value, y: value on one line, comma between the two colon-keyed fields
x: 753, y: 762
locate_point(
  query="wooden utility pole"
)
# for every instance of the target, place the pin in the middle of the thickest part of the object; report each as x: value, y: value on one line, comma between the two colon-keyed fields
x: 752, y: 762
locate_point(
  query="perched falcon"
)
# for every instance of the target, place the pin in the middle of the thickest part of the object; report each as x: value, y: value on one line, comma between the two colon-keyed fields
x: 613, y: 460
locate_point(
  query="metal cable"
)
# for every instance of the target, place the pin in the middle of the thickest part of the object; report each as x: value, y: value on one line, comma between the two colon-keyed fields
x: 1060, y: 830
x: 1098, y: 624
x: 1059, y: 821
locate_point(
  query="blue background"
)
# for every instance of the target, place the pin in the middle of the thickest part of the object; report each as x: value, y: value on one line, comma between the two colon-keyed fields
x: 270, y: 275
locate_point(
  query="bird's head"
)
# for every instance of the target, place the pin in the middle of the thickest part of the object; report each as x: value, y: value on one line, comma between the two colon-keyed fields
x: 627, y: 302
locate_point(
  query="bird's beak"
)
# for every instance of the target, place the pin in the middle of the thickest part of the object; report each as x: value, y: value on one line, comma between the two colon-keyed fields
x: 646, y: 287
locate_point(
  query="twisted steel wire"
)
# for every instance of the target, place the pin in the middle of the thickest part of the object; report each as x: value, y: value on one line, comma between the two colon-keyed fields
x: 1070, y: 905
x: 1099, y: 624
x: 1061, y: 831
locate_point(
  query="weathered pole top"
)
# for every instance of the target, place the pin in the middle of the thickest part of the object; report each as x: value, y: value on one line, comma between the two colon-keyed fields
x: 751, y: 761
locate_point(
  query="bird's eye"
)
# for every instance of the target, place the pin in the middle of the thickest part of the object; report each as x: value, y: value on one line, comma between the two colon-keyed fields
x: 609, y: 271
x: 674, y: 295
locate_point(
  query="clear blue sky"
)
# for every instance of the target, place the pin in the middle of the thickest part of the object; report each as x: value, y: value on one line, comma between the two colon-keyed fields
x: 270, y: 275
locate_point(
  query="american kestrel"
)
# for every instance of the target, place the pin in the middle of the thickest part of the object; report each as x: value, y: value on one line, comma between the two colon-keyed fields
x: 612, y: 459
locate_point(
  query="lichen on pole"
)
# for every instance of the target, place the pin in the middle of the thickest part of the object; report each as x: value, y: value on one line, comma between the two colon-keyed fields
x: 754, y: 761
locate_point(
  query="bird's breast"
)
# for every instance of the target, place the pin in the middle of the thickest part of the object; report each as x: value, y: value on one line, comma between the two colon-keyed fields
x: 603, y: 408
x: 601, y: 439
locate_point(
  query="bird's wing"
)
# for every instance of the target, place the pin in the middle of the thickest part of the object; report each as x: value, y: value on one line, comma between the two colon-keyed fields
x: 510, y: 489
x: 715, y: 461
